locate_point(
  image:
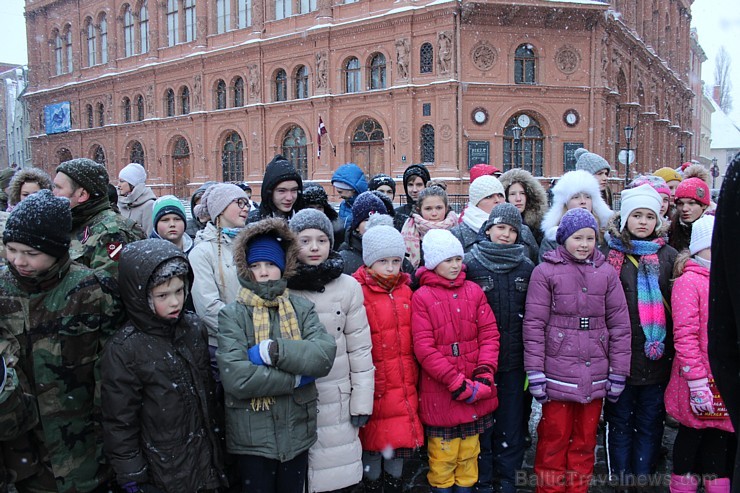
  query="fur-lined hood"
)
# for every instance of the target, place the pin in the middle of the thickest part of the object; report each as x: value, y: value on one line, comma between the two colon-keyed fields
x: 572, y: 183
x: 273, y: 226
x: 536, y: 195
x: 24, y: 176
x: 698, y: 171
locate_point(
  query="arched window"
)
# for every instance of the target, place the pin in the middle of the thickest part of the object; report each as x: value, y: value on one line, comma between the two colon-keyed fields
x: 283, y: 9
x: 139, y: 107
x: 137, y: 153
x: 103, y: 39
x: 182, y: 149
x: 92, y: 43
x: 63, y: 155
x: 301, y: 82
x: 294, y: 150
x: 173, y: 22
x: 281, y: 85
x: 98, y: 155
x: 232, y: 158
x: 90, y: 118
x: 101, y: 115
x: 128, y: 32
x: 238, y: 92
x: 184, y: 100
x: 524, y: 64
x: 169, y: 104
x: 68, y: 48
x: 58, y: 62
x: 245, y: 13
x: 220, y: 95
x: 377, y: 71
x: 144, y: 29
x: 352, y: 75
x: 426, y: 58
x: 427, y: 143
x: 223, y: 16
x: 126, y: 110
x: 189, y: 8
x: 526, y: 153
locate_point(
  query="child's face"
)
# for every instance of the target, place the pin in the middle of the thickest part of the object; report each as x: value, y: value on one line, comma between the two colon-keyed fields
x: 265, y: 271
x: 314, y: 246
x: 641, y: 223
x: 517, y: 196
x: 449, y: 268
x: 690, y: 209
x: 388, y: 266
x: 235, y: 215
x: 28, y: 261
x: 344, y: 194
x: 503, y: 234
x: 169, y: 298
x: 582, y: 200
x: 433, y: 209
x: 602, y: 177
x: 171, y: 227
x: 665, y: 204
x: 386, y: 190
x: 581, y: 244
x: 414, y: 186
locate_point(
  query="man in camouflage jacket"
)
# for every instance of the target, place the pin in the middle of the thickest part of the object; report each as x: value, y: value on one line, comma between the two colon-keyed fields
x: 98, y: 233
x: 54, y: 320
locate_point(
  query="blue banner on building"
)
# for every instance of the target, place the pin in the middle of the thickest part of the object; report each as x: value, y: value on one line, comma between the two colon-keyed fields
x: 57, y: 118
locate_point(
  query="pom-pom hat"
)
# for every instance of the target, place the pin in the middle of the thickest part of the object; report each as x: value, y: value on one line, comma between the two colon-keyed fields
x: 589, y: 161
x: 693, y: 188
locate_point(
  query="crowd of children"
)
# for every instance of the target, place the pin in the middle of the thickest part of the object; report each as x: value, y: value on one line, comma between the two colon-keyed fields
x: 249, y: 351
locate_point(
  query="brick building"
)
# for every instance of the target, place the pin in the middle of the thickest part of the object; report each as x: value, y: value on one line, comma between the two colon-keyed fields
x: 212, y: 89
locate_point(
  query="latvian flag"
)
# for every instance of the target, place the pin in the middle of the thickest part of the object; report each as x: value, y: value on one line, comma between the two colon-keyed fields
x: 322, y: 131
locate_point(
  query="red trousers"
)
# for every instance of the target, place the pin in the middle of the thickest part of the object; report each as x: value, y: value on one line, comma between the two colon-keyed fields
x: 566, y: 438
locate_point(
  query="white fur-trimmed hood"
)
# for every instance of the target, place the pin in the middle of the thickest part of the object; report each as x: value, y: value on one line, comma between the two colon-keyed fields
x: 570, y: 184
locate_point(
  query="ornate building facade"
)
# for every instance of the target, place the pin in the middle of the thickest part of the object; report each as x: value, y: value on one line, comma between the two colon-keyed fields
x: 212, y: 89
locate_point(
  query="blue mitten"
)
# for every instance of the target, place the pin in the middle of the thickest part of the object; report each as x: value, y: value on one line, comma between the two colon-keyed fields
x: 301, y: 380
x: 259, y: 354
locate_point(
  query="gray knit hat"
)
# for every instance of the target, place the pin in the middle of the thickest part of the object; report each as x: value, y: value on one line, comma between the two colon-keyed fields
x: 381, y: 240
x: 312, y: 219
x: 588, y: 161
x: 217, y: 198
x: 505, y: 213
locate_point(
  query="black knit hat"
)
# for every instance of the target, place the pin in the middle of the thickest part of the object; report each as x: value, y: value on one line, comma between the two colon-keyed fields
x: 277, y: 171
x: 381, y: 179
x: 415, y: 170
x: 88, y: 174
x: 41, y: 221
x: 314, y: 195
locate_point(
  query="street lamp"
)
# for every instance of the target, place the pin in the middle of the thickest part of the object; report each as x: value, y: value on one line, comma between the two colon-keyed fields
x: 681, y: 151
x: 517, y: 131
x: 628, y: 136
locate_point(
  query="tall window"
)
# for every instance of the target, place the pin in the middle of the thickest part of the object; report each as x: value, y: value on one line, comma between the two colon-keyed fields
x: 173, y: 25
x: 101, y: 114
x: 294, y: 150
x: 68, y: 49
x: 128, y: 32
x: 126, y: 110
x: 184, y: 100
x: 238, y: 92
x: 103, y: 39
x: 90, y: 120
x: 232, y: 158
x: 245, y: 13
x: 189, y: 20
x: 223, y: 15
x: 139, y: 107
x: 170, y: 102
x: 301, y: 82
x: 58, y: 62
x: 308, y: 6
x: 144, y: 28
x: 99, y: 155
x: 527, y: 152
x: 92, y: 44
x: 352, y: 75
x: 281, y: 85
x: 377, y: 71
x: 220, y: 95
x: 427, y: 143
x: 524, y: 64
x: 283, y: 9
x: 426, y: 58
x: 137, y: 153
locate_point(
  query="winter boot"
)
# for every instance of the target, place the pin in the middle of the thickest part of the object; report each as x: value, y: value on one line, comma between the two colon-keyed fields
x: 683, y: 484
x: 373, y: 485
x: 391, y: 484
x: 720, y: 485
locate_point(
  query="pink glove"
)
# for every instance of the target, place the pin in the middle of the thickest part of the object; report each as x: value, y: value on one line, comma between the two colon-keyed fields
x: 481, y: 391
x: 462, y: 388
x: 701, y: 399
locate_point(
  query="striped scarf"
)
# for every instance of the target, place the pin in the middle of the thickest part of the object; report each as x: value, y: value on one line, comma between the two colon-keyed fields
x: 649, y: 297
x: 261, y: 321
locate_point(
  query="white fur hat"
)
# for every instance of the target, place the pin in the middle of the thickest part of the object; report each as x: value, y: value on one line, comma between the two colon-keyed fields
x: 570, y: 184
x: 438, y: 246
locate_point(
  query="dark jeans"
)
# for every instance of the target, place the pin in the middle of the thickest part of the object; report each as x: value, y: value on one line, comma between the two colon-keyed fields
x: 502, y: 446
x: 634, y: 431
x: 707, y: 451
x: 261, y: 475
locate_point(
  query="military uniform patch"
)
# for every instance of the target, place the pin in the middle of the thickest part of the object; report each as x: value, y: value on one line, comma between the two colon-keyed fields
x: 114, y: 250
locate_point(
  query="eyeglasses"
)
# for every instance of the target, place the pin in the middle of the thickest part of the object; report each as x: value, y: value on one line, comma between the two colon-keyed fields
x: 242, y: 203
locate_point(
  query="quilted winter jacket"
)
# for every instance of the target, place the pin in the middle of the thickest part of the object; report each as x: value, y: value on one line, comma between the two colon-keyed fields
x: 576, y: 326
x: 395, y: 421
x: 335, y: 461
x: 690, y: 315
x: 454, y: 333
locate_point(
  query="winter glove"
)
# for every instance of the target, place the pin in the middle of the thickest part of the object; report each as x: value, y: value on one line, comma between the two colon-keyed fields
x: 259, y: 354
x: 461, y: 388
x: 359, y: 421
x: 483, y: 375
x: 615, y: 386
x: 701, y: 399
x: 537, y: 386
x: 301, y: 380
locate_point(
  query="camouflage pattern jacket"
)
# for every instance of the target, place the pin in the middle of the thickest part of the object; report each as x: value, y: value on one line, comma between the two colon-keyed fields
x: 52, y: 331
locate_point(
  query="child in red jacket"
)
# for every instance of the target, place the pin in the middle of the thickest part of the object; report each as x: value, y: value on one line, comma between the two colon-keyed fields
x: 456, y: 341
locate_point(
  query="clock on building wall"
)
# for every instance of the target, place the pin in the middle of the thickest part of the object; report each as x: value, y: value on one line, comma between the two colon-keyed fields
x: 523, y: 120
x: 571, y: 118
x: 480, y: 116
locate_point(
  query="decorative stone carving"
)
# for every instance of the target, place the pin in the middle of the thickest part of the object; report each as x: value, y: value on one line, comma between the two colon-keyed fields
x: 403, y: 134
x: 446, y: 132
x: 483, y: 56
x: 197, y: 88
x: 109, y: 108
x: 444, y: 52
x: 149, y: 98
x: 567, y: 59
x: 322, y: 70
x: 254, y: 81
x: 402, y: 58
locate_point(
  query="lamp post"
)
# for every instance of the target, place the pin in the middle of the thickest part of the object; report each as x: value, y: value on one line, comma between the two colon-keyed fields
x: 681, y: 151
x: 628, y: 136
x: 715, y: 171
x: 517, y: 131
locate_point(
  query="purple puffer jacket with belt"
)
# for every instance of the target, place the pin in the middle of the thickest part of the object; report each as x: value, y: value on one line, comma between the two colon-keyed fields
x: 577, y: 327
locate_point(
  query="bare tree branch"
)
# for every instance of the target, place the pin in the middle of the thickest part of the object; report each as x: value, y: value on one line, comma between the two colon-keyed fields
x: 722, y: 65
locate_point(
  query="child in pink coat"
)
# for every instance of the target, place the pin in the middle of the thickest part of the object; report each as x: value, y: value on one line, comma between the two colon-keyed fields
x: 703, y: 444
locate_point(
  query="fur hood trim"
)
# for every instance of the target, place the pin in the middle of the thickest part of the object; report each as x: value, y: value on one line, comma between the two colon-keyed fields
x: 273, y: 226
x: 698, y: 171
x: 536, y: 195
x: 24, y: 176
x: 680, y: 264
x: 572, y: 183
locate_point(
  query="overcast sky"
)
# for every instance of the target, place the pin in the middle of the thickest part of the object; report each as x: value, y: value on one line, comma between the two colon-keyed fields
x: 717, y: 22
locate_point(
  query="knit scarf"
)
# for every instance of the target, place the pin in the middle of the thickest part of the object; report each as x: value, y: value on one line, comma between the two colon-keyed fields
x: 315, y: 277
x: 649, y: 296
x: 387, y: 282
x: 474, y: 217
x: 82, y: 213
x: 496, y: 257
x: 261, y: 321
x: 231, y: 232
x: 416, y: 227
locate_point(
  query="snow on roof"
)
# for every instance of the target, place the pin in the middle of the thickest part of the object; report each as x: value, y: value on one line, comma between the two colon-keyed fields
x: 725, y: 132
